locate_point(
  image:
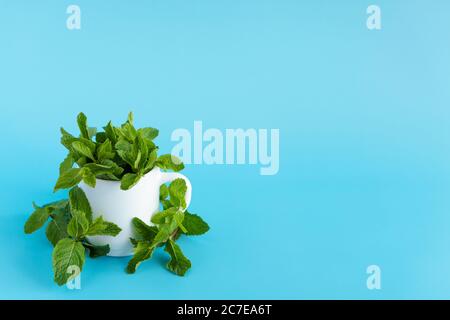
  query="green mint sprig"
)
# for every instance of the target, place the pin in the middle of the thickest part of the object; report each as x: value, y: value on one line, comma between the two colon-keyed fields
x: 70, y: 223
x: 168, y: 225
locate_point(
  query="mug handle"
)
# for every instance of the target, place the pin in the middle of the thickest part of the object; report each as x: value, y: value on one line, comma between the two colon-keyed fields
x: 170, y: 176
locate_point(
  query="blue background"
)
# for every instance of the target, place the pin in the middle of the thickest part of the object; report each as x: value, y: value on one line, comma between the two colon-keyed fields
x: 364, y: 140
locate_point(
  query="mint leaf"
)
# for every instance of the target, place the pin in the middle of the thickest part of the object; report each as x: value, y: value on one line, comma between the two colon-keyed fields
x: 59, y: 204
x: 194, y: 224
x: 137, y: 160
x: 178, y: 263
x: 110, y: 133
x: 96, y: 251
x: 101, y: 227
x: 127, y: 131
x: 67, y: 139
x: 142, y: 251
x: 92, y: 131
x: 127, y: 157
x: 148, y: 133
x: 96, y: 168
x: 161, y: 216
x: 78, y: 201
x: 78, y: 225
x: 142, y: 231
x: 164, y: 232
x: 105, y: 151
x: 66, y: 164
x: 107, y: 170
x: 163, y: 192
x: 88, y: 177
x: 130, y: 118
x: 66, y: 253
x: 169, y: 162
x: 150, y: 164
x: 134, y: 242
x: 179, y: 217
x: 57, y: 228
x: 68, y: 179
x: 129, y: 180
x: 165, y: 204
x: 37, y: 219
x: 177, y: 192
x: 83, y: 149
x: 100, y: 137
x: 82, y: 124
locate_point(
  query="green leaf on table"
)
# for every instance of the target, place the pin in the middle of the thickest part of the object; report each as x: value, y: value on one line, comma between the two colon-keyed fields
x: 101, y: 227
x: 177, y: 192
x: 66, y: 255
x: 169, y: 162
x: 178, y: 263
x: 37, y: 219
x: 194, y: 224
x: 142, y: 251
x: 78, y: 201
x: 78, y: 225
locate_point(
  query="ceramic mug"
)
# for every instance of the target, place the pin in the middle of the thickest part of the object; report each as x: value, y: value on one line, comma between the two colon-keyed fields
x: 121, y: 206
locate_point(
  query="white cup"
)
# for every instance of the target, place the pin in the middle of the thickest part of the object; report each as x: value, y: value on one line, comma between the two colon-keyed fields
x: 121, y: 206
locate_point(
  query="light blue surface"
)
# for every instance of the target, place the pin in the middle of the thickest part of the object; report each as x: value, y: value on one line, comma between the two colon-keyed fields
x: 364, y: 140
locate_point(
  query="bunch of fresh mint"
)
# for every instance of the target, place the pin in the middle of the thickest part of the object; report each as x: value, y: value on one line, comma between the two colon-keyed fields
x: 118, y: 153
x: 121, y: 154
